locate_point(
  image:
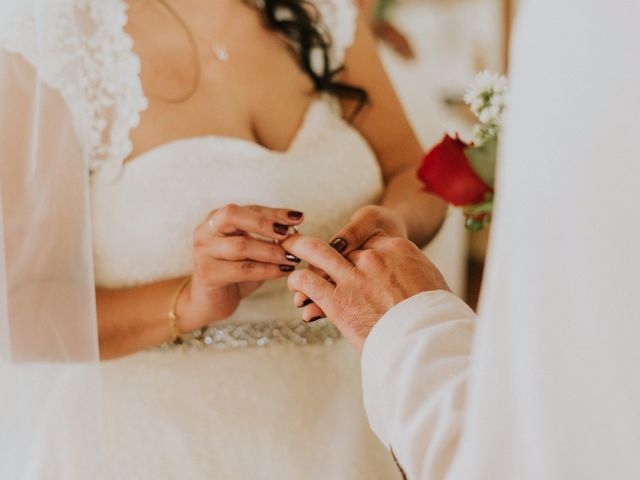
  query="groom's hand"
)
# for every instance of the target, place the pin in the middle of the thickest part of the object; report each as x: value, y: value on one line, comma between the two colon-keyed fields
x: 366, y: 222
x: 365, y: 284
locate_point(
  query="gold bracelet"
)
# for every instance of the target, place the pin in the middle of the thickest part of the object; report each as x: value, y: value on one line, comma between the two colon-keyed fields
x: 173, y: 317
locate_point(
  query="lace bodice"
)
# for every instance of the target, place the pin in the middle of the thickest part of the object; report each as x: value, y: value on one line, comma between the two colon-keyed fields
x: 80, y: 48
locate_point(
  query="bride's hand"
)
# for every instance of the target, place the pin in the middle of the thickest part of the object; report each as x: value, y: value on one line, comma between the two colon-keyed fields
x: 365, y: 223
x: 368, y: 221
x: 230, y: 262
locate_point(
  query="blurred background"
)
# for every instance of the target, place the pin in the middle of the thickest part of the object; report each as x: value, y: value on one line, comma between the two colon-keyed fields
x: 432, y: 50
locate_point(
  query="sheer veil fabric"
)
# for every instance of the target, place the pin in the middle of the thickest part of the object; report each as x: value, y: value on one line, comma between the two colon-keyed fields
x: 49, y: 368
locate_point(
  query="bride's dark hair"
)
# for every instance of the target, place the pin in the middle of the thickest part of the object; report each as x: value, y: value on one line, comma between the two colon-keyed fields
x: 299, y: 22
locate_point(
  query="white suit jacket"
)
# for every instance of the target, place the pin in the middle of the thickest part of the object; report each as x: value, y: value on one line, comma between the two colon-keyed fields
x: 546, y: 383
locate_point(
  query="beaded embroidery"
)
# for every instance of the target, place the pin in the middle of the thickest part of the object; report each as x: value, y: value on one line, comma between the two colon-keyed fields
x: 221, y: 336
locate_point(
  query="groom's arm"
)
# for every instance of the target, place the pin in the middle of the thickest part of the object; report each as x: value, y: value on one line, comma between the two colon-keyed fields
x: 415, y: 369
x: 389, y: 300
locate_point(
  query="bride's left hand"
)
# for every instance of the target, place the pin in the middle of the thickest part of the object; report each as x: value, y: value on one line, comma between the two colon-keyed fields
x: 366, y: 222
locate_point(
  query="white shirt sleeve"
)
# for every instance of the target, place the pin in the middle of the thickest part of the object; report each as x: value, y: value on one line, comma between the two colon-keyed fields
x: 415, y: 367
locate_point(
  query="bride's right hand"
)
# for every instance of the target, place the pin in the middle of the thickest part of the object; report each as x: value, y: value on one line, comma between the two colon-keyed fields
x: 229, y: 262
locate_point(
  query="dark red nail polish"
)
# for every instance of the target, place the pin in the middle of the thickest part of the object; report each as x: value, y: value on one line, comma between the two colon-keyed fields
x: 340, y: 244
x: 291, y: 258
x: 295, y: 215
x: 287, y: 268
x: 280, y: 228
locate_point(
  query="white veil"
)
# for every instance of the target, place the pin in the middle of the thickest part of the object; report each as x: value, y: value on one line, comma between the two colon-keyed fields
x: 49, y: 370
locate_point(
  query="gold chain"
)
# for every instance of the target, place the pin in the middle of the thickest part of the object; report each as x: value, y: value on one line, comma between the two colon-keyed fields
x: 194, y: 49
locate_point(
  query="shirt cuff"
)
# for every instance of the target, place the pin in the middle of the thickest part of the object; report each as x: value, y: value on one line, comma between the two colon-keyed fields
x: 388, y: 339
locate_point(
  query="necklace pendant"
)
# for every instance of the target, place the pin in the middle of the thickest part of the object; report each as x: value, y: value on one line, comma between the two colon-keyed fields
x: 220, y: 52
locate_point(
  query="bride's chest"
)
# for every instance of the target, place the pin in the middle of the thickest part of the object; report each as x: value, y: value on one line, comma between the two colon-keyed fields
x: 144, y: 221
x: 191, y: 92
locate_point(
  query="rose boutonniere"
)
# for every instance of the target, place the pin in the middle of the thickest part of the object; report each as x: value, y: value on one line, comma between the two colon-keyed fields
x: 463, y: 174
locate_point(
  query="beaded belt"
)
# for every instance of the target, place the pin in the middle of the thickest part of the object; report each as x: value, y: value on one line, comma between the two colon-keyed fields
x: 224, y: 336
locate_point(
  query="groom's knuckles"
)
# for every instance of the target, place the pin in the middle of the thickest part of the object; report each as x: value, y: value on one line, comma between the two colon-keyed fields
x: 370, y: 260
x: 397, y: 244
x: 309, y: 283
x: 301, y: 281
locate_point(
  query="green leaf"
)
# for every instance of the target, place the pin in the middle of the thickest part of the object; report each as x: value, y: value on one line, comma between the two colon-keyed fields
x: 480, y: 208
x: 476, y: 225
x: 483, y: 160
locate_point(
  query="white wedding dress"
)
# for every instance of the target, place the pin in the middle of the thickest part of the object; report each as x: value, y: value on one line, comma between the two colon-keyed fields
x: 261, y: 395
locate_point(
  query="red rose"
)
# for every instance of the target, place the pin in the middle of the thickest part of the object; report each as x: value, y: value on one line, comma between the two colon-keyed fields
x: 446, y: 171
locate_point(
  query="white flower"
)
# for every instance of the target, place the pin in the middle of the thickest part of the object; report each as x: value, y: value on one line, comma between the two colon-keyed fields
x: 483, y: 133
x: 486, y: 96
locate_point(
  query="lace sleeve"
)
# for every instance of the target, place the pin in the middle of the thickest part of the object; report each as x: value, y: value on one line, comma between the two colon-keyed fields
x: 103, y: 89
x: 339, y: 18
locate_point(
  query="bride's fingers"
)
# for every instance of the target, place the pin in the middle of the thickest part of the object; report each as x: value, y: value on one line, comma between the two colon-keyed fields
x: 301, y: 300
x: 312, y: 312
x: 313, y: 286
x: 250, y: 271
x: 283, y: 215
x: 353, y: 235
x: 230, y: 219
x: 247, y: 248
x: 319, y: 254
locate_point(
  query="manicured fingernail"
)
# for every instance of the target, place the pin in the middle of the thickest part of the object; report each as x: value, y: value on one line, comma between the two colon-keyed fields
x: 314, y: 319
x: 340, y: 244
x: 291, y: 257
x: 287, y: 268
x: 280, y: 228
x: 295, y: 215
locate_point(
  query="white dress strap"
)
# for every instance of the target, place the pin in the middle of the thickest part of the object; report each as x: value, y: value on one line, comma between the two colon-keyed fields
x: 80, y: 48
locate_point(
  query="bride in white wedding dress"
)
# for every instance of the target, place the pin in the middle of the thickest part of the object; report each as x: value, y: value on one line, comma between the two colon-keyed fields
x: 212, y: 128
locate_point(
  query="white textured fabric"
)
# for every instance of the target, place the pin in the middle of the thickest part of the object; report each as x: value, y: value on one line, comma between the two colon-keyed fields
x: 415, y: 371
x: 553, y: 387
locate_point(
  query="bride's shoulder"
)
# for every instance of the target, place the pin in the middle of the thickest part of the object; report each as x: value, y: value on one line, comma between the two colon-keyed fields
x: 80, y: 48
x: 339, y: 18
x: 50, y: 33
